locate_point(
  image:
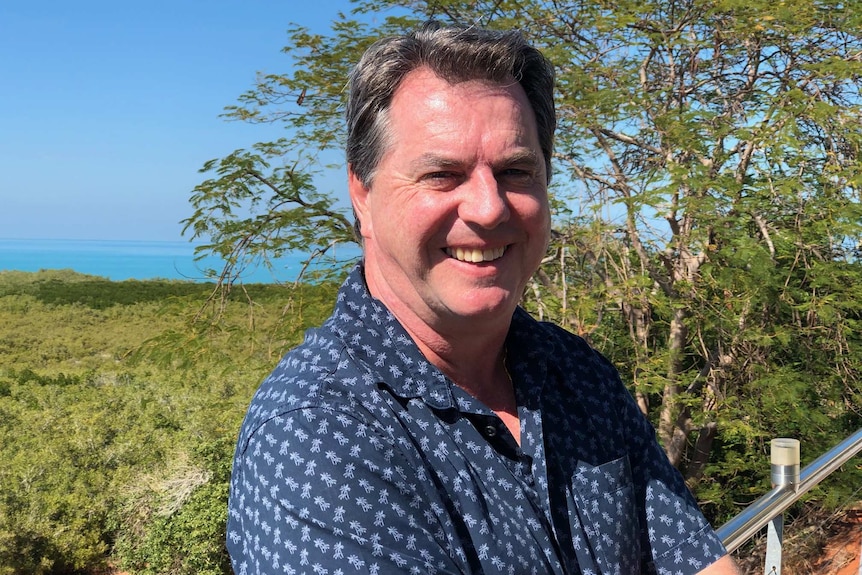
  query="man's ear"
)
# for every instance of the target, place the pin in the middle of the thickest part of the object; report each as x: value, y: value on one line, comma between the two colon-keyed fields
x: 359, y: 198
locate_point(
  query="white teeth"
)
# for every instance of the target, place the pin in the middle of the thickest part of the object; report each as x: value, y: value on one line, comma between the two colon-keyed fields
x: 475, y: 256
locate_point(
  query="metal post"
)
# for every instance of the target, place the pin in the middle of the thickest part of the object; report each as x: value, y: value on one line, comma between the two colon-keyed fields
x: 784, y: 454
x: 774, y: 545
x: 759, y: 513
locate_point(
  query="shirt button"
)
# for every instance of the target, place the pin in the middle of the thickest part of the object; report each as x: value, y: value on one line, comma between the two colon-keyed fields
x: 491, y: 430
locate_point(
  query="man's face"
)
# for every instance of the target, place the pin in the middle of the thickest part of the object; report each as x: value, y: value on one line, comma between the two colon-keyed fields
x: 456, y: 219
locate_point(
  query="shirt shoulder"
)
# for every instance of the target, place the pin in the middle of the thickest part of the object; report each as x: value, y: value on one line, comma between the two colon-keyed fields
x: 549, y: 351
x: 311, y: 375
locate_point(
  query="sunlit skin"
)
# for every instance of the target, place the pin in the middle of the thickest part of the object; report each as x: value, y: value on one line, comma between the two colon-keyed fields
x: 463, y: 178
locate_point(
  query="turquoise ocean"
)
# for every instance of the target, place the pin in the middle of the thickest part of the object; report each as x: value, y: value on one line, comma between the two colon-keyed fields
x: 128, y: 259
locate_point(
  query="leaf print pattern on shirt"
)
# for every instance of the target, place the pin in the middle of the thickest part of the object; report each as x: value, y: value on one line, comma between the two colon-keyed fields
x: 358, y: 456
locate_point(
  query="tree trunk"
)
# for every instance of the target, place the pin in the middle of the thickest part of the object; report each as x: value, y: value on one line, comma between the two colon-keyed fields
x: 700, y: 457
x: 673, y: 436
x: 637, y: 318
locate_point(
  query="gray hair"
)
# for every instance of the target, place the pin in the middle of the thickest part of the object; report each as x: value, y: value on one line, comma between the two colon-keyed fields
x: 455, y: 54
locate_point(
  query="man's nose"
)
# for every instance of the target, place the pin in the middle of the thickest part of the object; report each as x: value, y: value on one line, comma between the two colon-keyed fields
x: 484, y: 201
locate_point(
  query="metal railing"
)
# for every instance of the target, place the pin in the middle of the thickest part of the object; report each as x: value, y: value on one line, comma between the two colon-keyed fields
x: 762, y: 512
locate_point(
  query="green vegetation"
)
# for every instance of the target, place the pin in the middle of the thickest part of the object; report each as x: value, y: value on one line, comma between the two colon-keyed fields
x: 114, y: 450
x: 119, y: 411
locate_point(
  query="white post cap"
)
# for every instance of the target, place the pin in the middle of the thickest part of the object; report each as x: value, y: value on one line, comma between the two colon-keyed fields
x: 784, y: 451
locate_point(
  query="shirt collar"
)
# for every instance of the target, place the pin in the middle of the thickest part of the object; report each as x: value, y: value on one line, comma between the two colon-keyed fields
x: 384, y: 347
x: 392, y: 358
x: 529, y: 351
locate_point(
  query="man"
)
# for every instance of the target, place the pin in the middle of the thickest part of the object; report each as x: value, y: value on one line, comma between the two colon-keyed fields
x: 430, y: 425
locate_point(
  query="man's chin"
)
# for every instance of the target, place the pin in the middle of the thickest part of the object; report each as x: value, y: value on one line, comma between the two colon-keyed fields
x: 485, y: 303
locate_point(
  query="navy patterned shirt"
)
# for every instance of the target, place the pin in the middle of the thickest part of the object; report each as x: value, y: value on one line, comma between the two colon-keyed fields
x: 359, y: 456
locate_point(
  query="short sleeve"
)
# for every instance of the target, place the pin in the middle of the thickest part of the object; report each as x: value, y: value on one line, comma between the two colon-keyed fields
x: 677, y: 534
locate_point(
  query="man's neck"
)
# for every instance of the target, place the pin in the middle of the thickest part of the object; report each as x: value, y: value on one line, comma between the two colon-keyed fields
x: 474, y: 359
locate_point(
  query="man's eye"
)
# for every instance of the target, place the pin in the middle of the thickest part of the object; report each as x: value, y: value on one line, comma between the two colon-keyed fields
x: 442, y: 179
x: 440, y: 175
x: 516, y: 174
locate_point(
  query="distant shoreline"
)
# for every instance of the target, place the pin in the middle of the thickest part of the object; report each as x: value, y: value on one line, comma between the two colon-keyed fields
x: 118, y: 260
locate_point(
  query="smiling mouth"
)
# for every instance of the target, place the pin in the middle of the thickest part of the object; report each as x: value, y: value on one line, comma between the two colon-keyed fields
x: 475, y: 256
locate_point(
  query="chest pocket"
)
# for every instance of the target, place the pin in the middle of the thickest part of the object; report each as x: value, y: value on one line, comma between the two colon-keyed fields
x: 603, y: 496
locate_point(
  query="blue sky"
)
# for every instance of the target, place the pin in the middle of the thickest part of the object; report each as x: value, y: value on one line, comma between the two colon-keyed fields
x: 109, y: 108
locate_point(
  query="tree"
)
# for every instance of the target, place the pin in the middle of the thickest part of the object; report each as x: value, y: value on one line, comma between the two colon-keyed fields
x: 708, y: 223
x: 715, y: 134
x: 709, y: 131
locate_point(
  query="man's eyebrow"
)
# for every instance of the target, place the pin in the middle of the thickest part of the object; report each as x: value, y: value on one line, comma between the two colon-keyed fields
x: 521, y: 156
x: 518, y: 157
x: 432, y: 160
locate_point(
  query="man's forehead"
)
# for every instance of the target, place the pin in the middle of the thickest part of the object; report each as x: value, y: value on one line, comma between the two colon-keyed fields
x: 424, y: 74
x: 424, y: 94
